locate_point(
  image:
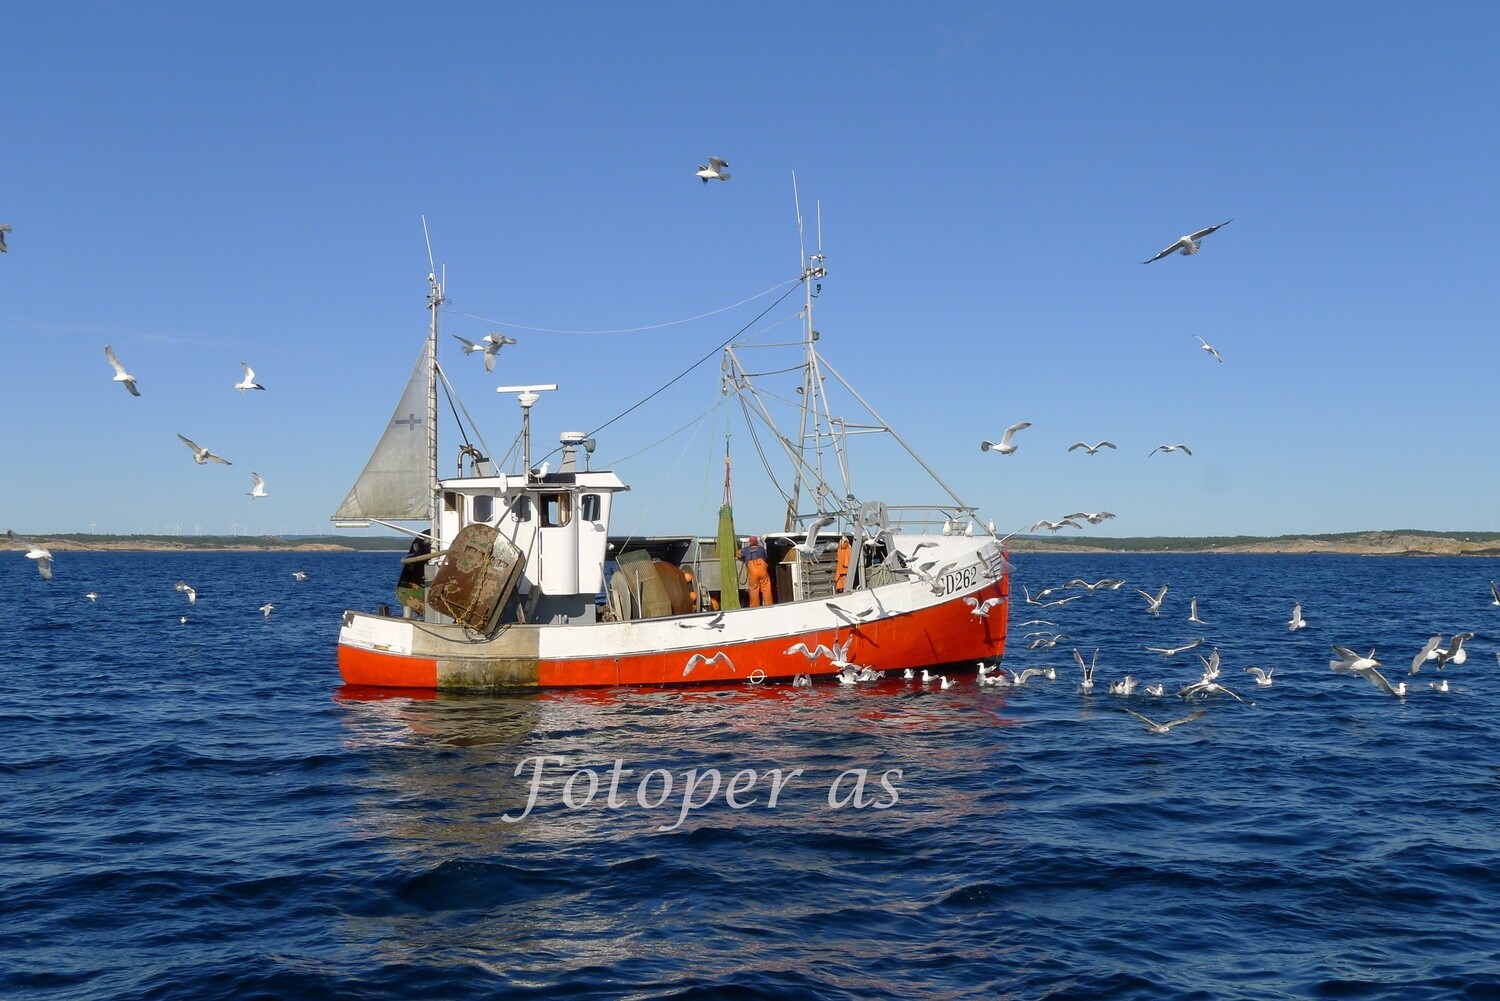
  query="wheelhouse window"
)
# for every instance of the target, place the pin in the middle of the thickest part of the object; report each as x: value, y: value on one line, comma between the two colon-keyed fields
x: 484, y: 508
x: 592, y: 507
x: 557, y: 510
x: 520, y: 508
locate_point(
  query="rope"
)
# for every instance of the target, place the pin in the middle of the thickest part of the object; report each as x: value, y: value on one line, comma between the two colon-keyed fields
x: 629, y: 330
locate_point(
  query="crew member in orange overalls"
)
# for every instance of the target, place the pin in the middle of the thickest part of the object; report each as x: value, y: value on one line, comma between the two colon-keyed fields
x: 757, y: 573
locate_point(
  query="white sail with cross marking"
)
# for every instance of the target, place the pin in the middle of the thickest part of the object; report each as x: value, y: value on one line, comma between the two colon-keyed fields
x: 396, y: 484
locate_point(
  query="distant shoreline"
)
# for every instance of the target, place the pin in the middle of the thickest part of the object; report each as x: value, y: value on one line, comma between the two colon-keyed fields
x: 1405, y: 542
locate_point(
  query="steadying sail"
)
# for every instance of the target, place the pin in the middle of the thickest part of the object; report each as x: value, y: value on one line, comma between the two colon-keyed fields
x: 396, y: 484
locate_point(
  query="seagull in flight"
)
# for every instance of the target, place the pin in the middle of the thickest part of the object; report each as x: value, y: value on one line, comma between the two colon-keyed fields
x: 1088, y: 670
x: 713, y: 171
x: 1188, y: 245
x: 1496, y: 592
x: 1113, y: 585
x: 490, y: 344
x: 4, y: 228
x: 1093, y: 518
x: 192, y: 595
x: 1350, y: 662
x: 202, y: 455
x: 1296, y: 622
x: 1170, y: 448
x: 1173, y: 651
x: 1004, y: 445
x: 259, y: 488
x: 266, y: 609
x: 1153, y: 602
x: 1428, y: 652
x: 1211, y: 349
x: 248, y: 382
x: 92, y: 596
x: 1193, y: 612
x: 1053, y: 526
x: 981, y: 609
x: 299, y: 575
x: 120, y: 374
x: 1090, y: 449
x: 1454, y: 652
x: 809, y: 547
x: 698, y: 658
x: 42, y: 556
x: 1262, y: 675
x: 1154, y: 727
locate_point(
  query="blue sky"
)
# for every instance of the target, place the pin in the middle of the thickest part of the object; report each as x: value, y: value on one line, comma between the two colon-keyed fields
x: 197, y: 189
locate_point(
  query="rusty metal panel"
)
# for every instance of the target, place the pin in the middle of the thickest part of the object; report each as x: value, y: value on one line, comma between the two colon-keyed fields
x: 478, y: 574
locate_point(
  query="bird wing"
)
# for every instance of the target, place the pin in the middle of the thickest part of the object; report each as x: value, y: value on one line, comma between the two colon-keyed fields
x: 1185, y: 449
x: 1378, y: 680
x: 1421, y: 658
x: 1204, y: 232
x: 1105, y: 444
x: 109, y: 353
x: 190, y: 443
x: 1187, y: 719
x: 1174, y: 247
x: 249, y: 372
x: 210, y: 457
x: 718, y: 164
x: 1078, y: 444
x: 258, y: 481
x: 1145, y: 719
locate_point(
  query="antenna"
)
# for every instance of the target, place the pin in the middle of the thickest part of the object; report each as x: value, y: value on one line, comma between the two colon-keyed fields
x: 801, y: 243
x: 431, y: 266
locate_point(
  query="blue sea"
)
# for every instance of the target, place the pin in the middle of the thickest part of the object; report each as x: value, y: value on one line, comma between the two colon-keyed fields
x: 200, y: 810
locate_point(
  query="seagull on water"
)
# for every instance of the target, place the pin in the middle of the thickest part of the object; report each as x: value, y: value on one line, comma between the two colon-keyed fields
x: 1153, y: 602
x: 1296, y: 622
x: 258, y: 489
x: 1125, y: 686
x: 1262, y: 675
x: 1438, y: 686
x: 1154, y: 727
x: 192, y: 595
x: 1050, y: 673
x: 1350, y: 662
x: 202, y: 455
x: 713, y: 171
x: 1170, y: 448
x: 1091, y: 449
x: 802, y: 681
x: 120, y: 374
x: 1193, y: 612
x: 1004, y: 445
x: 1188, y: 245
x: 944, y: 683
x: 1211, y: 349
x: 266, y: 609
x: 42, y: 556
x: 248, y: 382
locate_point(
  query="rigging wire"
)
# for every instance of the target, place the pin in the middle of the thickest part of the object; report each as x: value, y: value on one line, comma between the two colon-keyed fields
x: 663, y: 388
x: 628, y: 330
x: 626, y: 458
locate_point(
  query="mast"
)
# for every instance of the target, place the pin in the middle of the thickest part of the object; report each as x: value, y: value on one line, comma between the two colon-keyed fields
x: 812, y: 270
x: 435, y: 298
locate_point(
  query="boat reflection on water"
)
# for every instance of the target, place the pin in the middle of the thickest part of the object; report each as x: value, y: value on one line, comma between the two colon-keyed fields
x: 466, y: 855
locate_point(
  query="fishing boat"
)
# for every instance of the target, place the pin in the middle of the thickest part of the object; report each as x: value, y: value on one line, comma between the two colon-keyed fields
x: 516, y: 580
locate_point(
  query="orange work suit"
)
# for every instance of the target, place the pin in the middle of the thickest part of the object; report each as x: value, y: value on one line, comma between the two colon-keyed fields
x: 757, y: 574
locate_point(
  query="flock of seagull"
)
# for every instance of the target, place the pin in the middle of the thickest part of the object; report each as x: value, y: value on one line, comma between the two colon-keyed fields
x: 1186, y: 245
x: 1205, y: 686
x: 201, y: 455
